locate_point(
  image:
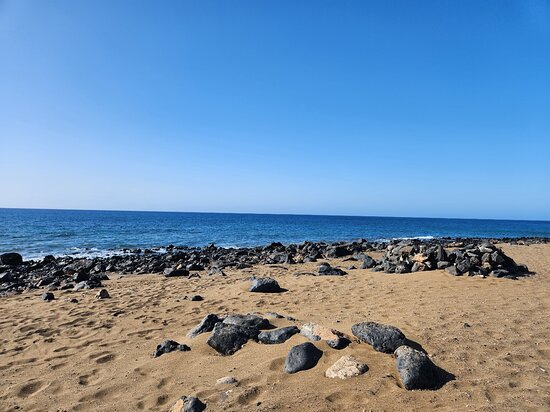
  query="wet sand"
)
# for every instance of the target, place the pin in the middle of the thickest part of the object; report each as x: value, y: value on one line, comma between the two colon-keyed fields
x: 95, y: 355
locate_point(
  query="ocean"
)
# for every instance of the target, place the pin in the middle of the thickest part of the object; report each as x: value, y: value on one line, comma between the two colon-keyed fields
x: 35, y: 232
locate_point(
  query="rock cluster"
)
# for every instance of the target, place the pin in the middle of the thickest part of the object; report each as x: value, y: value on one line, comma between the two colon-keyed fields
x: 459, y: 256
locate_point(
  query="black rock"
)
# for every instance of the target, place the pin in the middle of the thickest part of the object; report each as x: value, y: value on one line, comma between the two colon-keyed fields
x: 503, y: 273
x: 188, y: 404
x: 48, y: 296
x: 265, y: 285
x: 227, y: 339
x: 249, y: 321
x: 169, y: 346
x: 453, y: 271
x: 302, y: 357
x: 206, y: 325
x: 368, y: 263
x: 337, y: 251
x: 48, y: 259
x: 278, y: 335
x: 196, y: 298
x: 170, y: 273
x: 81, y: 277
x: 102, y: 294
x: 416, y: 369
x: 326, y: 270
x: 383, y: 338
x: 11, y: 259
x: 5, y: 277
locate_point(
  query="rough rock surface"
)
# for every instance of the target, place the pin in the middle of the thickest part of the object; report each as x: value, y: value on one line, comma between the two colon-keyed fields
x: 249, y: 320
x: 169, y: 346
x: 188, y: 404
x: 416, y: 369
x: 265, y: 285
x: 205, y: 325
x: 315, y: 332
x: 278, y: 335
x: 383, y: 338
x: 302, y: 357
x: 227, y: 339
x: 326, y: 270
x: 346, y: 367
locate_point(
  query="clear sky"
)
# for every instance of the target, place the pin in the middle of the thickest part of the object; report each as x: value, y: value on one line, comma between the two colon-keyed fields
x: 391, y: 108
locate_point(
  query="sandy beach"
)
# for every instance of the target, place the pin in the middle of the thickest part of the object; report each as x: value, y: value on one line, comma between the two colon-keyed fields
x: 491, y: 334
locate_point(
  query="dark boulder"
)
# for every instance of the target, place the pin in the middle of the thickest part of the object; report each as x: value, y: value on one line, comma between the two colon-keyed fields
x: 453, y: 270
x: 326, y: 270
x: 302, y: 357
x: 265, y: 285
x: 368, y: 263
x: 383, y: 338
x: 11, y: 259
x: 48, y: 296
x: 227, y: 339
x: 169, y: 346
x: 278, y: 335
x: 337, y: 252
x: 416, y: 369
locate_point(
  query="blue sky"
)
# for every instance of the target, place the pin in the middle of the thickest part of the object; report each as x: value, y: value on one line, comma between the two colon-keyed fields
x: 391, y: 108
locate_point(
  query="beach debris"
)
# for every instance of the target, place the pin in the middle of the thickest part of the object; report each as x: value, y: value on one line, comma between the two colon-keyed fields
x: 346, y: 367
x: 265, y: 285
x: 383, y: 338
x: 205, y: 325
x: 11, y: 259
x: 315, y: 332
x: 227, y: 380
x: 416, y: 369
x: 302, y: 357
x: 278, y: 335
x: 227, y: 339
x: 102, y: 294
x: 48, y: 296
x: 326, y: 270
x: 188, y: 404
x: 169, y: 346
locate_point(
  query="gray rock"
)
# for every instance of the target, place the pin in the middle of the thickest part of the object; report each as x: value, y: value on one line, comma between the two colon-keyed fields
x: 11, y: 259
x: 452, y: 270
x: 205, y: 325
x: 188, y: 404
x: 102, y: 294
x: 48, y: 296
x: 169, y: 346
x: 278, y: 335
x: 227, y: 380
x: 326, y: 270
x: 227, y: 339
x: 368, y: 263
x: 416, y: 369
x: 265, y: 285
x: 302, y: 357
x: 383, y: 338
x: 250, y: 321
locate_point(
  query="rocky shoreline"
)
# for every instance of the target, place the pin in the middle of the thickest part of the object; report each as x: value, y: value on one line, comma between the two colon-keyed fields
x: 458, y: 256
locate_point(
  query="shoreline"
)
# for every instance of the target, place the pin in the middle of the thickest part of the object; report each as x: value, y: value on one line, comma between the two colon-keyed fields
x: 458, y: 256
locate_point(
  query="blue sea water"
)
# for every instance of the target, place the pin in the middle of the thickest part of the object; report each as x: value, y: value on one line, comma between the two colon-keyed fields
x: 36, y: 233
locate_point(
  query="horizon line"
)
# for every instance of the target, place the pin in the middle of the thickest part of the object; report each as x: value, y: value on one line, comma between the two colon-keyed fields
x: 268, y: 214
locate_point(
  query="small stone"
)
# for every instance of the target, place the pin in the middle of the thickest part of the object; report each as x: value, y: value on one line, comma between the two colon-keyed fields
x: 346, y: 367
x: 196, y: 298
x: 102, y: 294
x: 265, y: 285
x: 188, y: 404
x: 227, y: 380
x: 48, y: 296
x: 171, y: 272
x: 326, y: 270
x: 302, y: 357
x: 169, y: 346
